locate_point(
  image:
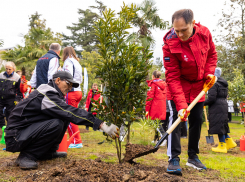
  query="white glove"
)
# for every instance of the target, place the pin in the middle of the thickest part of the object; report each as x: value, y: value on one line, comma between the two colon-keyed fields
x: 112, y: 130
x: 183, y: 114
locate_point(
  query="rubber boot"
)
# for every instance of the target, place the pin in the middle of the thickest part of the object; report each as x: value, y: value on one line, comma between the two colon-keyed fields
x: 230, y: 143
x: 221, y: 148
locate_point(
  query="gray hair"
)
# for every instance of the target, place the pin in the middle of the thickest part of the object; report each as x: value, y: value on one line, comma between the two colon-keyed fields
x: 55, y: 47
x: 10, y: 63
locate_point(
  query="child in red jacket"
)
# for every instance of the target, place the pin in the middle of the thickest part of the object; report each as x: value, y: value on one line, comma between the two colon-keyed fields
x: 156, y: 98
x: 93, y: 93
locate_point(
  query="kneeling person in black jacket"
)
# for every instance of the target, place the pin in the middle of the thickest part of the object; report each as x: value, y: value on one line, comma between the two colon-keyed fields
x: 38, y: 123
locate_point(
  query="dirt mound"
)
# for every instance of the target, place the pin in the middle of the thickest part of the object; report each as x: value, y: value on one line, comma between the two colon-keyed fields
x: 135, y: 150
x: 238, y: 143
x: 96, y: 170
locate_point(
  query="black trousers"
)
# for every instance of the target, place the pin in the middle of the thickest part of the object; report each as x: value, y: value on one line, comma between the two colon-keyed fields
x: 38, y: 139
x: 229, y: 116
x: 195, y: 123
x: 9, y: 104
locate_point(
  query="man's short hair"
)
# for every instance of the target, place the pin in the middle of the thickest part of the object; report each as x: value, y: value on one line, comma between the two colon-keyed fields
x: 10, y: 63
x: 187, y: 14
x: 55, y: 47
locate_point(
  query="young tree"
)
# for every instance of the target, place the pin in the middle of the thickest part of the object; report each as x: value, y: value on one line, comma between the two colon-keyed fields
x: 122, y: 68
x: 37, y: 42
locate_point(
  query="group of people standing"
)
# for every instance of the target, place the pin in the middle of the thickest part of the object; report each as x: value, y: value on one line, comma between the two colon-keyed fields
x: 190, y: 60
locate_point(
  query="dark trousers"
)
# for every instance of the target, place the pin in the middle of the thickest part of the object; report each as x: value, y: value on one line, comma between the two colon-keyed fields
x: 162, y: 126
x: 195, y: 123
x: 229, y: 116
x: 38, y: 139
x: 9, y: 104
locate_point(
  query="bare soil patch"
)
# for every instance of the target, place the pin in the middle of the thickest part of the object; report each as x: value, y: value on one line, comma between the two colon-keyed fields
x: 65, y: 170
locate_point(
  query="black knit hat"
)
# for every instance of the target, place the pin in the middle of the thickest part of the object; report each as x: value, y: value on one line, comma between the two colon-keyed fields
x: 64, y: 75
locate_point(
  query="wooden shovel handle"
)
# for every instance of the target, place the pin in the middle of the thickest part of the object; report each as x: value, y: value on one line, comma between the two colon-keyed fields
x: 206, y: 118
x: 193, y: 103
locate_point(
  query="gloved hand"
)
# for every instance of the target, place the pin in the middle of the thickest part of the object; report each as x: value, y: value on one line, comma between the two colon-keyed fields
x: 183, y: 114
x: 112, y: 130
x: 147, y: 114
x: 210, y: 81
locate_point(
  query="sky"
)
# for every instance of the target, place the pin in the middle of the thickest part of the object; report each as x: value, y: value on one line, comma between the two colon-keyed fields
x: 14, y: 15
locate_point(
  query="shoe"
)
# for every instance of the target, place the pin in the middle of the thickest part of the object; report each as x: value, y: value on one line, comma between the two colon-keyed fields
x: 53, y: 155
x: 73, y: 146
x: 195, y: 163
x: 25, y: 163
x: 174, y: 167
x: 221, y: 148
x: 230, y: 143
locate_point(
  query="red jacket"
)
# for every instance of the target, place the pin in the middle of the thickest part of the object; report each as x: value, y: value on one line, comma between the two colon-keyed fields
x: 96, y: 97
x: 188, y: 63
x: 157, y: 106
x: 23, y: 86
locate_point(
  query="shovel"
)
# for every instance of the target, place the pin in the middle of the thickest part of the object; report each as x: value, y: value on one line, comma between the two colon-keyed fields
x: 176, y: 123
x: 209, y: 138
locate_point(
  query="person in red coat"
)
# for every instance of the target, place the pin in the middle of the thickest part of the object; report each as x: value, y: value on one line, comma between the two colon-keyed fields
x: 156, y: 99
x: 190, y: 60
x: 93, y: 93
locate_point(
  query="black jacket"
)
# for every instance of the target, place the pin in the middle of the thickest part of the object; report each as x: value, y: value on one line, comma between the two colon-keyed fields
x: 47, y: 102
x: 218, y: 107
x: 10, y: 87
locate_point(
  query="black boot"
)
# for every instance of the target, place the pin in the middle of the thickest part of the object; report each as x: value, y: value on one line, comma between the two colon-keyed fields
x: 53, y: 155
x: 25, y: 162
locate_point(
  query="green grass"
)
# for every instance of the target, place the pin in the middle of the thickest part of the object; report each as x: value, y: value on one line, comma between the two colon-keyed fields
x: 230, y: 165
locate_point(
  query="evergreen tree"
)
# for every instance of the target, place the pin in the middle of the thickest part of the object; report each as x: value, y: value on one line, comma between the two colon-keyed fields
x: 83, y: 33
x: 231, y: 51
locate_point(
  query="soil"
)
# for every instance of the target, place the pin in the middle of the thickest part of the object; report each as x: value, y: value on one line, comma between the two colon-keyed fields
x: 238, y: 143
x: 96, y: 170
x: 70, y: 169
x: 134, y: 151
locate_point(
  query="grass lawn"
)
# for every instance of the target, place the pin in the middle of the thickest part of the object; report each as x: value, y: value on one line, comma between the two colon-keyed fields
x: 231, y: 166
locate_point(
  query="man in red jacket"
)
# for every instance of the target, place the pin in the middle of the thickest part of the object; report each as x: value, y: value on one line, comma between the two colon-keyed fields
x: 189, y: 59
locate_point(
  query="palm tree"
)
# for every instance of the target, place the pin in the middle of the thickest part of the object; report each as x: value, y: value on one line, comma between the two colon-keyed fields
x: 146, y: 20
x: 37, y: 42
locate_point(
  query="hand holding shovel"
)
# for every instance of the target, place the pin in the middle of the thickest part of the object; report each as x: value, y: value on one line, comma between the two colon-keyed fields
x: 206, y: 87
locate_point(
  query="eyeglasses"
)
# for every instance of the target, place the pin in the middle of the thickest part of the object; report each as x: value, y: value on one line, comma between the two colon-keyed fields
x: 68, y: 83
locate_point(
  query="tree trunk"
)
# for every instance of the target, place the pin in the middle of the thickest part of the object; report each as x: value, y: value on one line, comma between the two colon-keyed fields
x: 119, y: 151
x: 128, y: 136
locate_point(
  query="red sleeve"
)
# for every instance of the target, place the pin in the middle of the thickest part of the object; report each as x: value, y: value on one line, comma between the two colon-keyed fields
x: 150, y: 94
x: 23, y: 87
x: 88, y: 101
x: 172, y: 73
x: 211, y: 59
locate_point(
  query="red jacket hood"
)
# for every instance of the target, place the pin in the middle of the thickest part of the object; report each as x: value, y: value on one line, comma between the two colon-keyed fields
x: 159, y: 82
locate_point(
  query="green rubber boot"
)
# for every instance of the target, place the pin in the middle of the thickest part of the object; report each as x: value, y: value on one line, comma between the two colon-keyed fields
x: 2, y: 141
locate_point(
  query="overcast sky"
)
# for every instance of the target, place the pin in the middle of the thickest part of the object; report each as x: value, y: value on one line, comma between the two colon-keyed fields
x: 14, y: 15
